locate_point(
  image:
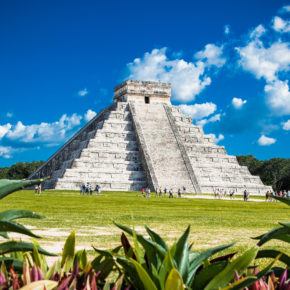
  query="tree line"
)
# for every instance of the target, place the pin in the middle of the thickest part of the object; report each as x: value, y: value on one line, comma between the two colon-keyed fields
x: 274, y: 172
x: 19, y: 170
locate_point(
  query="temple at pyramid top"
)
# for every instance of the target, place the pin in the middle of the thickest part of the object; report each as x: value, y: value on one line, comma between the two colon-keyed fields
x: 143, y: 91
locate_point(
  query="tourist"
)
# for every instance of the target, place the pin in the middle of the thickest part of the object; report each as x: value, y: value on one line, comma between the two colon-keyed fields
x: 160, y: 191
x: 143, y: 192
x: 245, y: 195
x: 96, y: 189
x: 156, y: 191
x: 165, y: 191
x: 183, y: 188
x: 170, y: 193
x: 39, y: 189
x: 288, y: 193
x: 267, y: 196
x: 35, y: 188
x: 179, y: 193
x: 99, y: 189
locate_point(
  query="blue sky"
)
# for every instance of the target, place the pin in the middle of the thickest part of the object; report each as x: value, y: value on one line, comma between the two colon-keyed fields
x: 228, y: 62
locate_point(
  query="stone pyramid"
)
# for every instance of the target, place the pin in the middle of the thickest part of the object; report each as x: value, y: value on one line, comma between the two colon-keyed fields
x: 142, y: 140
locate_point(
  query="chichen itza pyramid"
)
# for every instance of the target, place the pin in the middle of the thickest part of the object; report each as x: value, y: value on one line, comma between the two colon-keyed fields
x: 142, y: 140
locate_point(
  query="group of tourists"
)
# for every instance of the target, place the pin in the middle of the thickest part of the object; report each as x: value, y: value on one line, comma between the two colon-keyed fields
x: 281, y: 193
x: 219, y: 193
x: 162, y: 192
x: 88, y: 189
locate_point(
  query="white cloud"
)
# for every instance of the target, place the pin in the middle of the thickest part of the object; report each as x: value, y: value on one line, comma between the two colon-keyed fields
x: 211, y: 55
x: 9, y: 115
x: 4, y: 129
x: 218, y: 138
x: 286, y: 125
x: 227, y: 29
x: 258, y: 31
x: 238, y: 103
x: 40, y: 133
x: 83, y: 92
x: 285, y: 9
x: 281, y: 25
x: 212, y: 119
x: 265, y: 62
x: 198, y: 111
x: 188, y: 79
x: 266, y: 141
x: 278, y: 97
x: 90, y: 115
x: 5, y: 152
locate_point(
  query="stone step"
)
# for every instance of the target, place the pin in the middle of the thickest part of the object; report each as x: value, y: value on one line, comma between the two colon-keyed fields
x: 106, y: 144
x: 118, y: 163
x: 220, y: 160
x: 116, y: 135
x: 121, y: 127
x: 81, y: 173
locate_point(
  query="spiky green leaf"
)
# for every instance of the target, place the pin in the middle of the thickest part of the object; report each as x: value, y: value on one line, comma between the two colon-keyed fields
x: 174, y: 281
x: 9, y: 186
x: 14, y: 246
x: 69, y: 248
x: 226, y: 276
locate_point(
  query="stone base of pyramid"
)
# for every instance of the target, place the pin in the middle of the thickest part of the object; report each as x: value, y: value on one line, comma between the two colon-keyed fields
x: 139, y: 142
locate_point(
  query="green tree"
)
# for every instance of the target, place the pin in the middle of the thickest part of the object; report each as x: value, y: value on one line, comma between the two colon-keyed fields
x: 22, y: 170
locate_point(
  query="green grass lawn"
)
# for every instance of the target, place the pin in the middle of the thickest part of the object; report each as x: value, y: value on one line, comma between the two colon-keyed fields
x: 213, y: 222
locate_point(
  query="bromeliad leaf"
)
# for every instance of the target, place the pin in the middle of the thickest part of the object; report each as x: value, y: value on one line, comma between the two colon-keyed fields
x: 13, y: 246
x: 240, y: 264
x: 154, y: 252
x: 7, y: 226
x: 206, y: 274
x: 174, y: 281
x: 166, y: 267
x: 273, y: 254
x: 13, y: 214
x: 40, y: 285
x: 181, y: 256
x: 200, y: 258
x: 144, y: 277
x: 8, y: 186
x: 282, y: 233
x: 156, y: 238
x: 69, y: 248
x: 282, y: 199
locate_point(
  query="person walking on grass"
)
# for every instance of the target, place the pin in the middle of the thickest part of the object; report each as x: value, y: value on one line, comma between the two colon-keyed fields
x: 179, y: 193
x: 170, y: 193
x: 245, y: 195
x: 165, y: 191
x: 39, y: 189
x: 99, y: 189
x: 160, y: 191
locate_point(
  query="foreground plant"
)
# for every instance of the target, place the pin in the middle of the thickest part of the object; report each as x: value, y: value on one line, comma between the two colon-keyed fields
x: 146, y: 263
x: 151, y: 264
